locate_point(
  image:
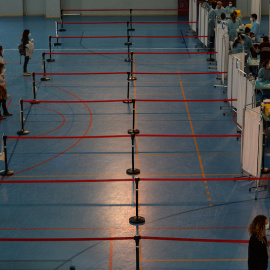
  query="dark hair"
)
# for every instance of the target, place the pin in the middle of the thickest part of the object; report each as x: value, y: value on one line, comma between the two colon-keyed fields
x: 233, y: 17
x: 266, y: 62
x: 235, y: 12
x: 238, y: 40
x: 247, y: 30
x: 25, y: 36
x: 1, y: 49
x: 223, y: 16
x: 257, y: 227
x: 265, y: 38
x: 254, y: 16
x: 214, y: 5
x: 1, y: 67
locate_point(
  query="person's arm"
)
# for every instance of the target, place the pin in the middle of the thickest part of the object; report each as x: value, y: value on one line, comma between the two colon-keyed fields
x: 261, y: 73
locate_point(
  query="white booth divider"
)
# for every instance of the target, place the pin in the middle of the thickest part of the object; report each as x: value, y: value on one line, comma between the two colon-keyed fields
x: 236, y: 62
x: 193, y: 14
x: 245, y: 97
x: 203, y: 25
x: 252, y: 142
x: 256, y: 7
x: 222, y: 49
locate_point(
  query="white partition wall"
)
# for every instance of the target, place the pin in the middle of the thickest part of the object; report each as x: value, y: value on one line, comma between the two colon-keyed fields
x: 252, y: 136
x: 225, y: 56
x: 222, y: 47
x: 256, y: 7
x: 193, y: 14
x: 203, y: 25
x: 236, y: 62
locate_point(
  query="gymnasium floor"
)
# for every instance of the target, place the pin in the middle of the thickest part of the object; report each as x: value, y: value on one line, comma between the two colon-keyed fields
x: 204, y: 210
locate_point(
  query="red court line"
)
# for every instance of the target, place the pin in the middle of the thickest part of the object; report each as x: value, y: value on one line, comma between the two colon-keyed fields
x: 139, y: 100
x: 136, y: 9
x: 135, y: 53
x: 125, y: 22
x: 133, y: 73
x: 122, y: 136
x: 63, y: 239
x: 76, y: 101
x: 196, y: 240
x: 129, y: 180
x: 130, y: 36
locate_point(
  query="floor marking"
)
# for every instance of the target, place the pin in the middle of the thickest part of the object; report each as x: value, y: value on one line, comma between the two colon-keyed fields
x: 121, y: 175
x: 193, y: 133
x: 197, y: 260
x: 111, y: 251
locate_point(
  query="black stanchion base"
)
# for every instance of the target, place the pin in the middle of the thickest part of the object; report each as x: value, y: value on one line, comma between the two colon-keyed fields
x: 57, y: 44
x: 6, y: 173
x: 45, y: 79
x: 135, y: 131
x: 128, y: 43
x: 62, y: 30
x: 131, y: 78
x: 22, y: 132
x: 210, y: 59
x: 128, y: 60
x: 50, y: 60
x: 135, y: 171
x: 137, y: 220
x: 131, y: 29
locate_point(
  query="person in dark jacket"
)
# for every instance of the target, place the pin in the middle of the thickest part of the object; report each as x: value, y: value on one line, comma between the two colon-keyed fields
x: 28, y: 46
x: 258, y: 250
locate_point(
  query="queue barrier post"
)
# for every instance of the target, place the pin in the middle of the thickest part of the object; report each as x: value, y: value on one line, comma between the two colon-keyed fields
x: 137, y: 241
x: 44, y: 68
x: 128, y: 59
x: 57, y: 43
x: 128, y: 43
x: 132, y: 170
x: 34, y: 89
x: 22, y: 131
x: 130, y: 19
x: 61, y: 19
x: 6, y: 171
x: 50, y: 49
x: 127, y: 100
x: 131, y: 77
x: 137, y: 219
x: 133, y: 130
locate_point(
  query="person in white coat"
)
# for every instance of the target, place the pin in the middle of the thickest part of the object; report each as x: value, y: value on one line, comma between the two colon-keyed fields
x: 28, y: 46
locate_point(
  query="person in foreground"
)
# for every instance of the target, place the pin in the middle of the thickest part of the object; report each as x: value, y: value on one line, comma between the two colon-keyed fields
x: 258, y: 250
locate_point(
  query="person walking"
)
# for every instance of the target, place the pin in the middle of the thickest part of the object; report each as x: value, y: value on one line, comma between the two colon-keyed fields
x: 258, y: 250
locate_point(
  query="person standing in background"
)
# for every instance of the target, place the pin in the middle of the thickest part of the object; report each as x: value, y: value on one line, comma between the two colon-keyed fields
x: 219, y: 9
x: 258, y: 250
x: 230, y: 9
x: 255, y: 27
x: 28, y: 46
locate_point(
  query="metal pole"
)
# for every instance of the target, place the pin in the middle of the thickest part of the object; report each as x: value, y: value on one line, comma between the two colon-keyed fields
x: 22, y: 131
x: 44, y: 68
x: 34, y: 84
x: 137, y: 219
x: 128, y: 59
x: 137, y: 240
x: 128, y: 100
x: 132, y: 78
x: 50, y: 49
x: 132, y: 170
x: 130, y: 18
x: 133, y: 130
x: 57, y: 41
x: 5, y: 172
x: 61, y: 19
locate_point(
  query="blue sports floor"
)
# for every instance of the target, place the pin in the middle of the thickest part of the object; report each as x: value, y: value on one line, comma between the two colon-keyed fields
x: 205, y: 209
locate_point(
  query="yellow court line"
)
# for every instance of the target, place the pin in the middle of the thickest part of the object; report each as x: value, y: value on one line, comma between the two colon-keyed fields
x: 192, y: 129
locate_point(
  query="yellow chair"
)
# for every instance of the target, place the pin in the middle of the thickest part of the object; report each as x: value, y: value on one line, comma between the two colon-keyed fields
x: 238, y: 13
x: 248, y: 25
